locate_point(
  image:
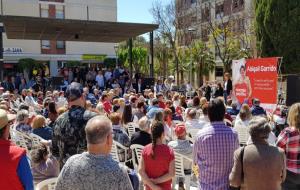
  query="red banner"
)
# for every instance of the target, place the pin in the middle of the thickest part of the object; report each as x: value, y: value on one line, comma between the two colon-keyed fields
x: 255, y: 78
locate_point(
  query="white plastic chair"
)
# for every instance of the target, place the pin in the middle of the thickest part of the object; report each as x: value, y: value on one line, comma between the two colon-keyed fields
x: 137, y: 154
x: 131, y: 128
x: 243, y: 134
x: 20, y: 139
x: 36, y: 140
x: 48, y: 183
x: 115, y: 153
x: 179, y: 170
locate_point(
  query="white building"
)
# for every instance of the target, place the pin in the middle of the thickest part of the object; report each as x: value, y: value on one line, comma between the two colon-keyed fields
x: 55, y: 53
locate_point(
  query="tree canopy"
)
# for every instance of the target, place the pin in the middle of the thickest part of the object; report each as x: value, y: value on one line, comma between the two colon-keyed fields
x: 278, y: 31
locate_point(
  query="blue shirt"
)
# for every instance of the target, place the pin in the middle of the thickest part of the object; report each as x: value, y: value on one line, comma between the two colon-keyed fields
x: 153, y: 111
x: 24, y: 173
x: 44, y: 132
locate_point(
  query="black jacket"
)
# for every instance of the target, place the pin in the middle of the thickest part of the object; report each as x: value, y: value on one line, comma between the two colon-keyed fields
x: 141, y: 137
x: 229, y: 86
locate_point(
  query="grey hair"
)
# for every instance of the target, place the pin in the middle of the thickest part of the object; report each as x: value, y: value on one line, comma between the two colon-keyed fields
x: 259, y: 128
x: 97, y: 129
x: 100, y: 108
x: 22, y: 115
x: 144, y: 123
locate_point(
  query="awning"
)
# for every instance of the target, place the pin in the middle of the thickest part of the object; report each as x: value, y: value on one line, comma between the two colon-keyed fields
x: 36, y: 28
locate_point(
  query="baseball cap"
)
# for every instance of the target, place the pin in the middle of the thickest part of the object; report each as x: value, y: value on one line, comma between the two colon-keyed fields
x: 180, y: 130
x: 5, y: 118
x: 74, y: 91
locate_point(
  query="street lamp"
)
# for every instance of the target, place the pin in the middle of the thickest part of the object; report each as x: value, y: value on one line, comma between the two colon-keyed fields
x: 191, y: 30
x: 116, y: 47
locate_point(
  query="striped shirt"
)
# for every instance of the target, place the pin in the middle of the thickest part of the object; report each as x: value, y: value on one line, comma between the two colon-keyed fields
x: 213, y: 153
x: 289, y: 141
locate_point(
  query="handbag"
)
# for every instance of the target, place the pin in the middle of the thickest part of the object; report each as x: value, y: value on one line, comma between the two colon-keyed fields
x: 242, y: 174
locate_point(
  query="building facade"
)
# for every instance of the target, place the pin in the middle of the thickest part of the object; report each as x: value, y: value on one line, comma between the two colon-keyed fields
x: 56, y: 53
x: 198, y: 19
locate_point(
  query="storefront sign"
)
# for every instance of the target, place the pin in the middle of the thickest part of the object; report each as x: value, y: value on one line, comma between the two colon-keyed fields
x: 12, y: 50
x: 93, y: 57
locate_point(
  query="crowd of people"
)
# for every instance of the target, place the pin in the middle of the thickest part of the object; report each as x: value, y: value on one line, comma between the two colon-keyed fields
x: 232, y: 146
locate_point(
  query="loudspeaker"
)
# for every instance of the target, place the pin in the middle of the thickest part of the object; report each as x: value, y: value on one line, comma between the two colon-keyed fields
x: 57, y: 81
x: 293, y: 91
x: 149, y: 82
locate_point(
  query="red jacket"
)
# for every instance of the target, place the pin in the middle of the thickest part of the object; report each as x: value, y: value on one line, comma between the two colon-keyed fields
x: 9, y: 161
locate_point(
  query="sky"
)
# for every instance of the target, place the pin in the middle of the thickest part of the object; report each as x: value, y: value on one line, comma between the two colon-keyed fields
x: 136, y: 10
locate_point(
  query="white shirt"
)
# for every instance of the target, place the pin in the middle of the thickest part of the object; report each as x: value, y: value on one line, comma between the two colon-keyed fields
x: 100, y: 80
x: 29, y: 100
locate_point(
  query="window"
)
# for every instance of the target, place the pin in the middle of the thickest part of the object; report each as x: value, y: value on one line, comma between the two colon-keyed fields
x: 205, y: 14
x: 45, y: 44
x: 242, y: 3
x: 219, y: 72
x: 44, y: 12
x: 235, y: 4
x: 60, y: 45
x: 204, y: 34
x: 59, y: 12
x: 193, y: 1
x: 219, y: 11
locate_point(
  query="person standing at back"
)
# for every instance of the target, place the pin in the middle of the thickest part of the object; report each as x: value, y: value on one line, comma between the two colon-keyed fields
x: 69, y: 135
x: 214, y: 148
x: 157, y: 165
x: 289, y: 141
x: 95, y: 169
x: 258, y: 165
x: 227, y: 86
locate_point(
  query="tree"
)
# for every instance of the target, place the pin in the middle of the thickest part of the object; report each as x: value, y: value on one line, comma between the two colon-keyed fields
x: 229, y: 34
x: 139, y: 57
x: 184, y: 62
x: 165, y: 16
x: 203, y: 58
x: 278, y: 31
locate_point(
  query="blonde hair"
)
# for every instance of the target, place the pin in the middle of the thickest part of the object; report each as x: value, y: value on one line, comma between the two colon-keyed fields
x: 61, y: 110
x: 38, y: 122
x: 294, y: 116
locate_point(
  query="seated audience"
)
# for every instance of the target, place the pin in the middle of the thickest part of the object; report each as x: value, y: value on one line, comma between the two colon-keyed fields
x: 256, y: 109
x: 39, y: 128
x: 141, y: 111
x: 182, y: 146
x: 22, y: 121
x: 119, y: 133
x: 152, y: 110
x: 43, y: 165
x: 204, y: 120
x: 143, y: 136
x: 241, y: 125
x: 192, y: 122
